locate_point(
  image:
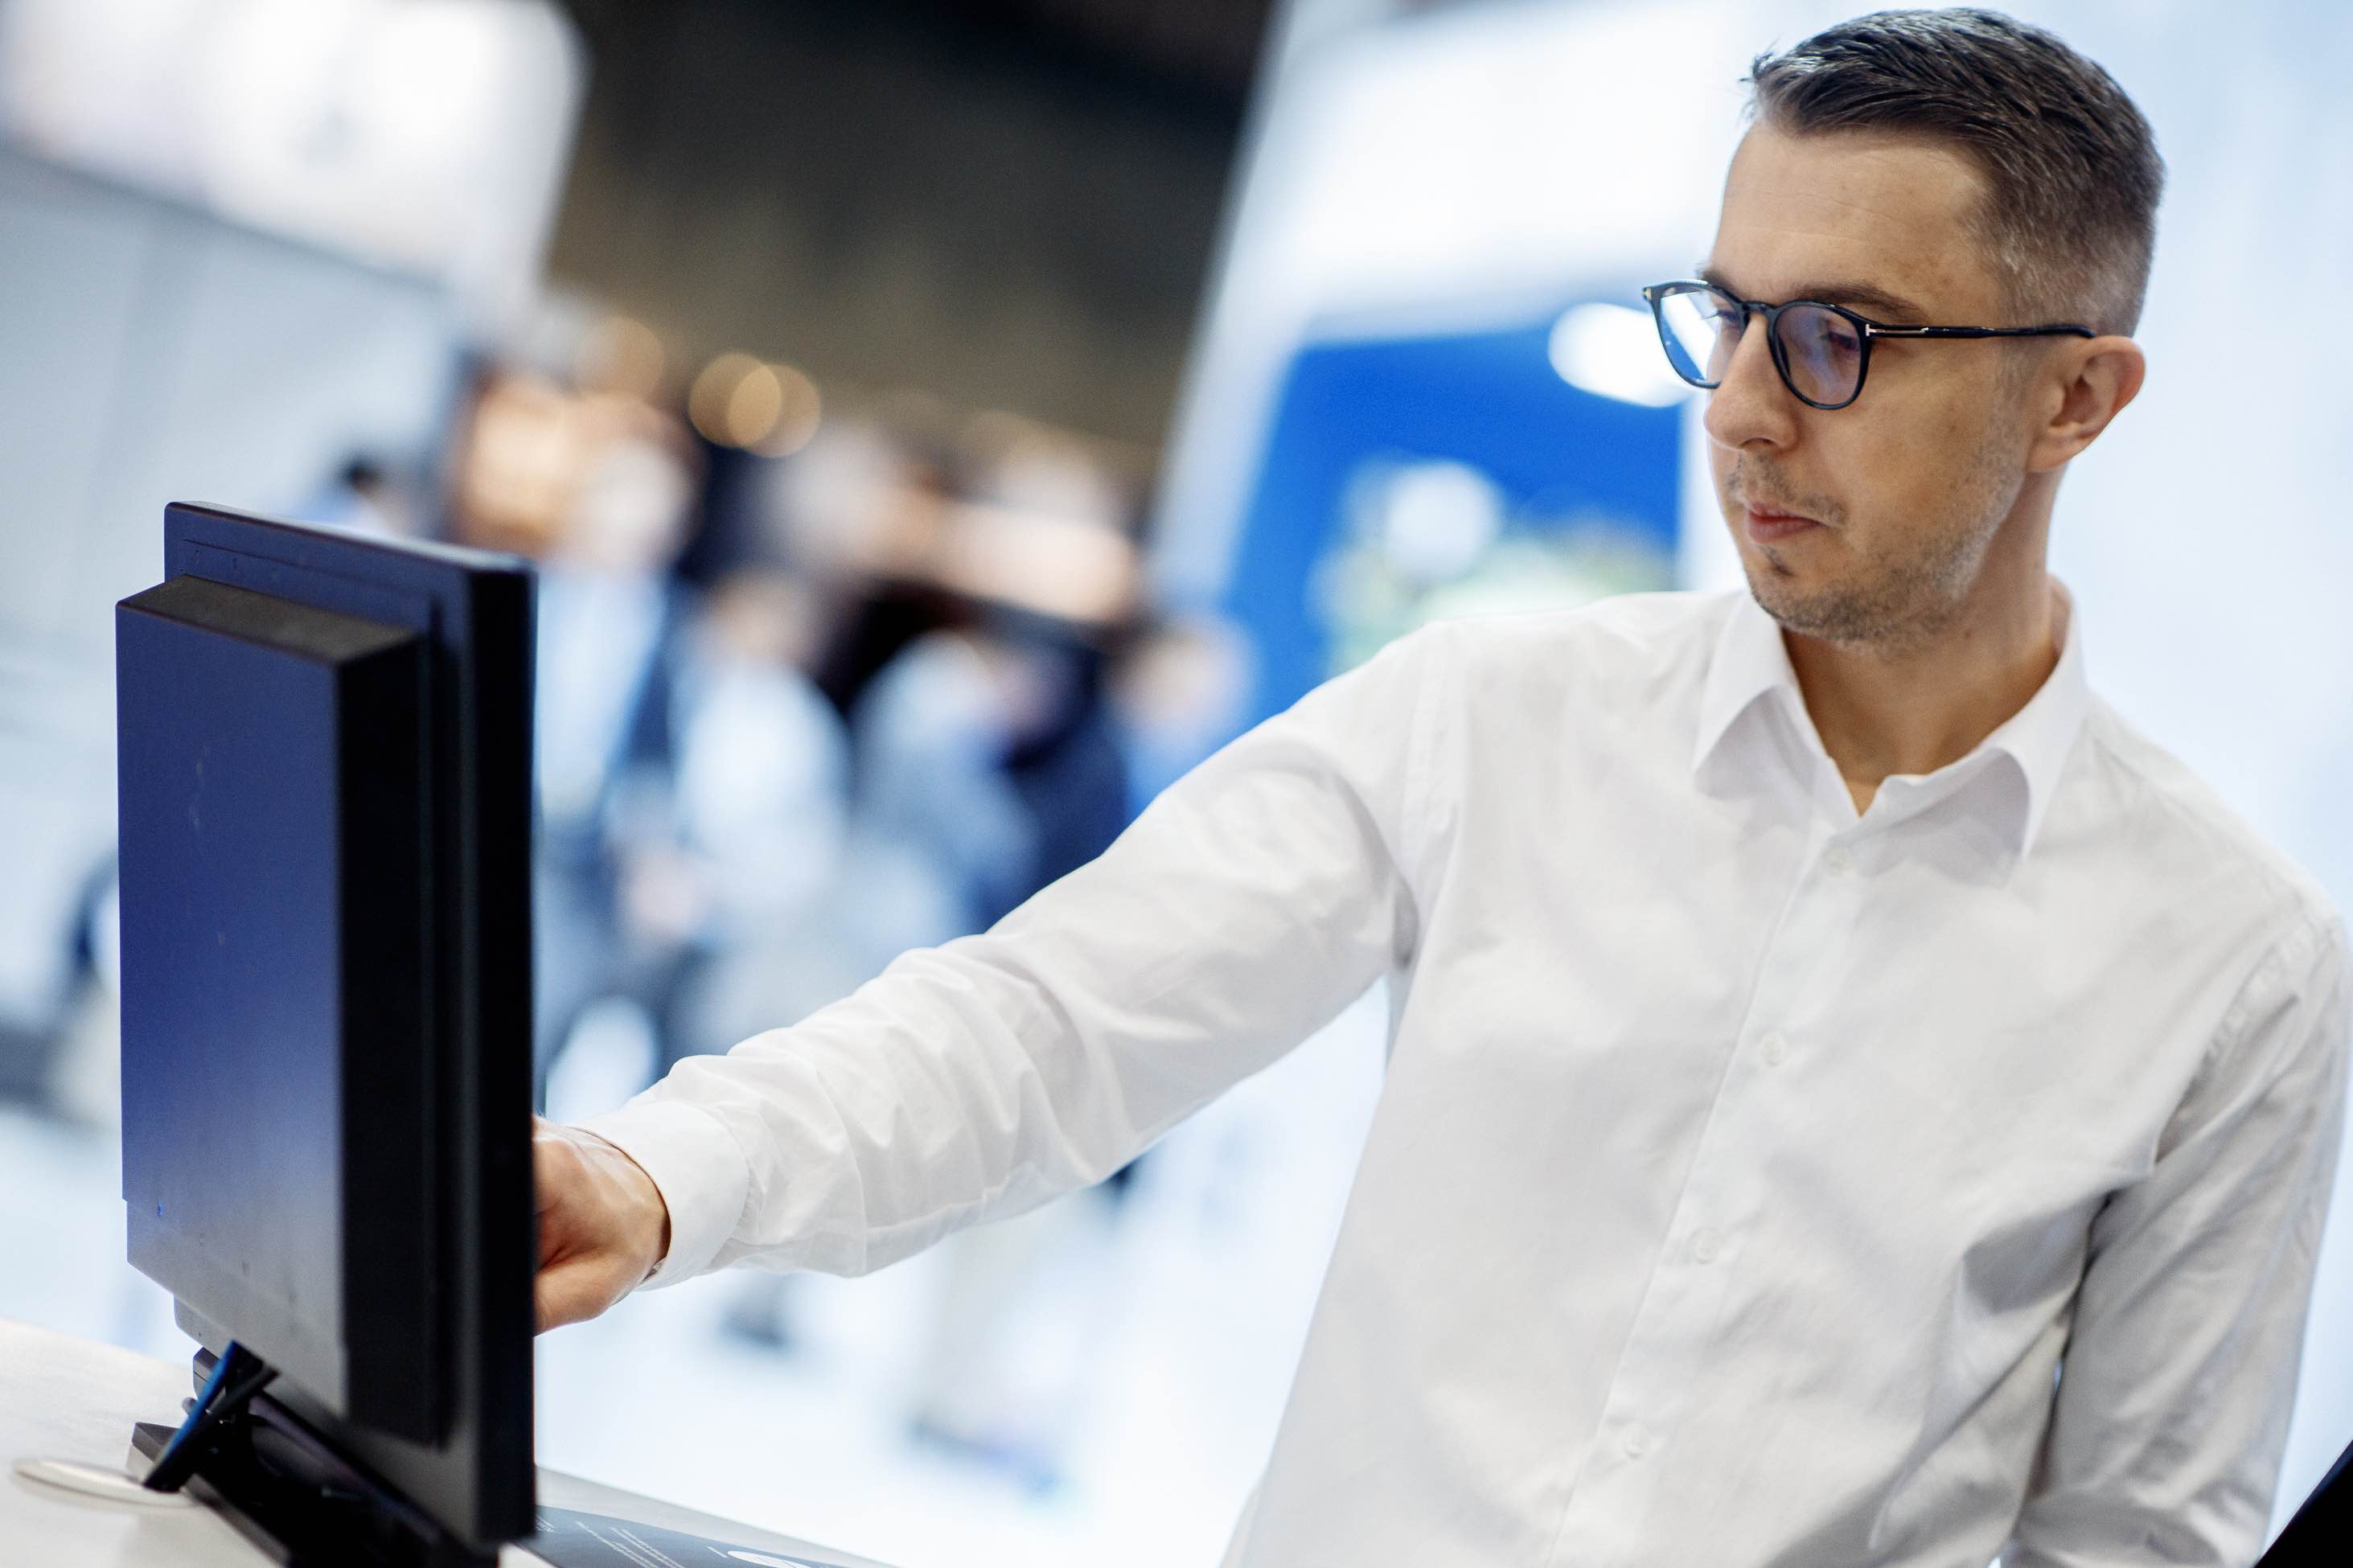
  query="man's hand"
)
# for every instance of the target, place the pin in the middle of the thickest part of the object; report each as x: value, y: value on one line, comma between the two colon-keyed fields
x: 602, y: 1222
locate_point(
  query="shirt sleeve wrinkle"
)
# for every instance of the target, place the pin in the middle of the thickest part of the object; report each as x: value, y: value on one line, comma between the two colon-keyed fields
x: 2172, y: 1408
x: 1419, y: 807
x: 2297, y: 967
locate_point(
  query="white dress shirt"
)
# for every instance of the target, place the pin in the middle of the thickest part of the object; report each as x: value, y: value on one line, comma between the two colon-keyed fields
x: 1747, y: 1169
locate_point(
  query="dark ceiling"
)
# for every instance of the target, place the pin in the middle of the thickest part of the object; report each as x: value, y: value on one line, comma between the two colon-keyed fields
x: 1203, y: 48
x: 1006, y: 203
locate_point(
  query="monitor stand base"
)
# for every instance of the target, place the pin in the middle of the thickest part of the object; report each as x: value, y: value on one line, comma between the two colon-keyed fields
x: 87, y: 1480
x: 289, y: 1492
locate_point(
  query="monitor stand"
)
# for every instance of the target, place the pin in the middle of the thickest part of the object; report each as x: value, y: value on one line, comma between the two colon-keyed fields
x: 283, y: 1485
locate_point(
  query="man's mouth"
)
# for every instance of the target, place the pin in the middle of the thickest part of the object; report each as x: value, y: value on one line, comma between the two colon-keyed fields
x: 1768, y: 523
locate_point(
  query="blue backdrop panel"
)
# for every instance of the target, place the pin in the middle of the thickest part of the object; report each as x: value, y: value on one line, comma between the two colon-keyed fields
x: 1491, y: 400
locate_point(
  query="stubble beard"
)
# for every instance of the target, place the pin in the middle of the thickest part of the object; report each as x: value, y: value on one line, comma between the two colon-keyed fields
x: 1914, y: 582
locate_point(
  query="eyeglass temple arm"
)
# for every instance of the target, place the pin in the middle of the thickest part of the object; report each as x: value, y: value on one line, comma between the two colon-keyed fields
x: 2068, y: 329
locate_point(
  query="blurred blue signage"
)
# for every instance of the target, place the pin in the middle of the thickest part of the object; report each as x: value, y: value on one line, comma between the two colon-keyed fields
x: 1407, y: 479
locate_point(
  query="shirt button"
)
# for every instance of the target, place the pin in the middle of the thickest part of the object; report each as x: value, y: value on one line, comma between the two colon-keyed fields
x: 1837, y: 861
x: 1635, y: 1441
x: 1774, y: 1050
x: 1705, y: 1244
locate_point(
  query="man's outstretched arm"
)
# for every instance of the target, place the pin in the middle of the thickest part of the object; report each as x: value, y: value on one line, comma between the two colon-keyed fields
x: 1259, y: 896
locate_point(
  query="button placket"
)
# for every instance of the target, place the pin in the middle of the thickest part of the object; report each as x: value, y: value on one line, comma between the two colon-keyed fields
x: 1697, y: 1279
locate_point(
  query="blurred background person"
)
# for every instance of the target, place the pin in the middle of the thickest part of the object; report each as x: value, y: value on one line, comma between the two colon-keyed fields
x: 610, y: 621
x: 365, y: 498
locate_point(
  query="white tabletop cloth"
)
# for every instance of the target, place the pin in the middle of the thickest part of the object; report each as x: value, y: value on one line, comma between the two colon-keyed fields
x: 1745, y: 1166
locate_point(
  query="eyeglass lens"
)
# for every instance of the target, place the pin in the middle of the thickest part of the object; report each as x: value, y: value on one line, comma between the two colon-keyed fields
x: 1821, y: 350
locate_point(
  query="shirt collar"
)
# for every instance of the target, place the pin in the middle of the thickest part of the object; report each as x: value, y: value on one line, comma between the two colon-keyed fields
x: 1751, y: 662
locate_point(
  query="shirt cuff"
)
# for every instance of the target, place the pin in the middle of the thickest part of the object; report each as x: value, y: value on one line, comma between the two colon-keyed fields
x: 696, y: 1167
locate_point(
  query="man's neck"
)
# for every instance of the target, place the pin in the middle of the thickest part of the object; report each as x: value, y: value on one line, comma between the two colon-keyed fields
x: 1880, y: 713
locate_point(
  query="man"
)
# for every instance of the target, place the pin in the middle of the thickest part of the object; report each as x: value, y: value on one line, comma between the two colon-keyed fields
x: 1852, y: 1099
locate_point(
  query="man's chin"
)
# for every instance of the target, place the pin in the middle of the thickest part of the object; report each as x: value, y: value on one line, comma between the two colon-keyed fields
x: 1797, y: 590
x: 1772, y: 576
x: 1773, y: 597
x: 1818, y: 613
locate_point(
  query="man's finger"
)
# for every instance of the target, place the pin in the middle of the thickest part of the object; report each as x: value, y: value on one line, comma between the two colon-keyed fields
x: 573, y: 1292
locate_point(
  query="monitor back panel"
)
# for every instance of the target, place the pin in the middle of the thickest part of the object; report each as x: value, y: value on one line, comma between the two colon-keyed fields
x: 411, y: 1211
x: 277, y: 1059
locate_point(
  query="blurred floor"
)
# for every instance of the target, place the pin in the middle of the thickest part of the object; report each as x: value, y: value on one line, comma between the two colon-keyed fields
x: 1186, y: 1313
x: 61, y: 1235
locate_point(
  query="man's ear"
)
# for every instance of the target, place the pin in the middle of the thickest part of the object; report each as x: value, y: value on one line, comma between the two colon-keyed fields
x: 2086, y: 384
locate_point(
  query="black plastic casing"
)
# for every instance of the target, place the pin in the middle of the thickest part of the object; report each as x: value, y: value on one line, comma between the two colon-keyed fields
x: 324, y: 772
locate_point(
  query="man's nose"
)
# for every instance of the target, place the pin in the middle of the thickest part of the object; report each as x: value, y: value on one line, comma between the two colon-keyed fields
x: 1751, y: 404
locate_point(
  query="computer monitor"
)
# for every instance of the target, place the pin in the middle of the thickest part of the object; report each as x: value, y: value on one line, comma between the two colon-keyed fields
x: 324, y: 760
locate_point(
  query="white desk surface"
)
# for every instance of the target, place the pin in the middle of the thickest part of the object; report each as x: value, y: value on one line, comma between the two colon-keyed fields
x: 65, y: 1398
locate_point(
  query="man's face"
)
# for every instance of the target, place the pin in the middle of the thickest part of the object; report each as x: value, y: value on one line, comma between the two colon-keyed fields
x: 1903, y: 491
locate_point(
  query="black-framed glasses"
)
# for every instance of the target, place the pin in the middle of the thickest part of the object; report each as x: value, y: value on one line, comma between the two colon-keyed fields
x: 1823, y: 350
